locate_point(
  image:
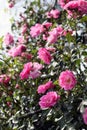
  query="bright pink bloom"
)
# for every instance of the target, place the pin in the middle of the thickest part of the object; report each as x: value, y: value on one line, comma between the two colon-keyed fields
x: 67, y: 80
x: 85, y: 116
x: 53, y: 14
x: 49, y: 100
x: 63, y: 2
x: 4, y: 78
x: 31, y: 70
x: 44, y: 55
x: 24, y: 29
x: 71, y: 5
x: 16, y: 51
x: 44, y: 87
x: 8, y: 39
x: 82, y: 6
x: 36, y: 30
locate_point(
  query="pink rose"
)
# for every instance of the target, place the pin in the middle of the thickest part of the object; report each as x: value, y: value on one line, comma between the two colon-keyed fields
x: 54, y: 34
x: 26, y: 71
x: 85, y: 116
x: 44, y: 55
x: 52, y: 39
x: 8, y: 39
x: 37, y: 66
x: 82, y: 6
x: 16, y: 51
x: 31, y: 70
x: 35, y: 70
x: 67, y: 80
x: 49, y: 100
x: 63, y: 2
x: 44, y: 87
x: 36, y: 30
x: 71, y: 5
x: 53, y: 14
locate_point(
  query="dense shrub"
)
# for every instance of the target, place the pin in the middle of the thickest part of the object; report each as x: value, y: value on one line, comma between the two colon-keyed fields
x: 43, y: 72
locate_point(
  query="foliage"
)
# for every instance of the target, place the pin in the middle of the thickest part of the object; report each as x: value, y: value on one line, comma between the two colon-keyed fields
x: 19, y: 99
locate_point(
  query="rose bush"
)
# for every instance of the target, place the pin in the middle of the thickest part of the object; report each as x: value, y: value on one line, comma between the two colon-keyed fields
x: 43, y: 67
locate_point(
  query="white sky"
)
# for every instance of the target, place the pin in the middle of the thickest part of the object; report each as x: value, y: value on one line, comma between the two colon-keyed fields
x: 5, y: 14
x: 4, y: 18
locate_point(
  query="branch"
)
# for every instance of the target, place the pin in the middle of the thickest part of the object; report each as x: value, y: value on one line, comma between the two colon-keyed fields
x: 29, y: 114
x: 4, y: 61
x: 55, y: 3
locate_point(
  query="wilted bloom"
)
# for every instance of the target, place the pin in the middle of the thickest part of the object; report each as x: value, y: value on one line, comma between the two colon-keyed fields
x: 44, y: 87
x: 31, y: 70
x: 67, y: 31
x: 85, y: 116
x: 47, y: 24
x: 8, y: 39
x: 67, y: 80
x: 4, y: 79
x: 17, y: 86
x: 26, y: 55
x: 21, y: 40
x: 11, y: 4
x: 24, y: 28
x: 44, y: 55
x: 16, y: 51
x: 51, y: 49
x: 49, y: 100
x: 36, y: 30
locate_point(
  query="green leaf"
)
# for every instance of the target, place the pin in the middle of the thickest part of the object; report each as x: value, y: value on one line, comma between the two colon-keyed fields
x: 84, y: 19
